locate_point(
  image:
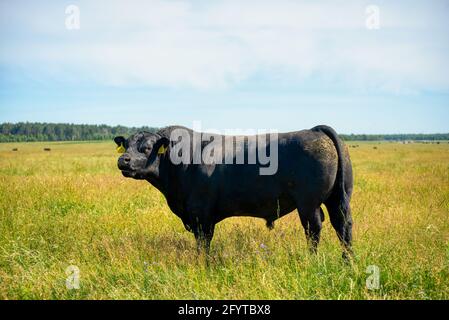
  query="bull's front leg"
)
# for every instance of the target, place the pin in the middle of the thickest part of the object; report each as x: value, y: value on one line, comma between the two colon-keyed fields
x: 203, y: 227
x: 204, y: 232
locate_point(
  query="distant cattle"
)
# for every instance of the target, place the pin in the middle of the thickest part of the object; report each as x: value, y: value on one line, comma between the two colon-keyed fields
x: 15, y: 149
x: 47, y: 149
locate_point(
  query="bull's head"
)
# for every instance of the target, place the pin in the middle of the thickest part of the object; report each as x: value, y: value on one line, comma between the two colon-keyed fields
x: 142, y: 154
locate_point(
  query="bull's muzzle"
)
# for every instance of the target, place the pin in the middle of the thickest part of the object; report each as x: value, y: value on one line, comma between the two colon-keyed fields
x: 124, y: 162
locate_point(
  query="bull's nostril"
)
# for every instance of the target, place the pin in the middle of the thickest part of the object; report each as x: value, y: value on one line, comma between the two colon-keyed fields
x: 123, y: 162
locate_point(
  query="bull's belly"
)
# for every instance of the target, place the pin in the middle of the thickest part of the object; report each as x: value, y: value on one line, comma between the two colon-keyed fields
x: 269, y: 208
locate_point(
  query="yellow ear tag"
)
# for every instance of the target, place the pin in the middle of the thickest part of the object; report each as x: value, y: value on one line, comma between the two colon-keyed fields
x: 121, y: 149
x: 162, y: 150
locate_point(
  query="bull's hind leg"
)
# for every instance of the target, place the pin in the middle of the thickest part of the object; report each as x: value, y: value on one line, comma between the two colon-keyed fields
x: 342, y: 222
x: 312, y: 223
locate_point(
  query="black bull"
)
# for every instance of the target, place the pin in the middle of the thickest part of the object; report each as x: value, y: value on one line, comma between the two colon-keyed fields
x: 314, y: 168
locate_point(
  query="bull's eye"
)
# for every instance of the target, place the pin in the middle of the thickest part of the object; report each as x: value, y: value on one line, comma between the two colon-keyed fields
x: 144, y: 148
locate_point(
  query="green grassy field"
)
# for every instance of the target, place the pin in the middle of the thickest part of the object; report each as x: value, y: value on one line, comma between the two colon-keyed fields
x: 71, y: 206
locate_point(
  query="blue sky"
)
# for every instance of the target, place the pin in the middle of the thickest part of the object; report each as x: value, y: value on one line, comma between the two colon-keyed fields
x: 283, y: 65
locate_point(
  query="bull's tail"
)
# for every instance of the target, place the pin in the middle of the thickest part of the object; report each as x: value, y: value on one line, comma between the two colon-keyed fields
x: 338, y: 202
x: 339, y: 186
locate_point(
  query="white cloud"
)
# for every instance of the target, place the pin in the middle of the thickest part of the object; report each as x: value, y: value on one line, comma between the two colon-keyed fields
x: 219, y: 44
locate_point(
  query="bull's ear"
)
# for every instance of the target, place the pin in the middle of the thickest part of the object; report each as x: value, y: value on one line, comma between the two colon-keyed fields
x: 161, y: 145
x: 119, y: 141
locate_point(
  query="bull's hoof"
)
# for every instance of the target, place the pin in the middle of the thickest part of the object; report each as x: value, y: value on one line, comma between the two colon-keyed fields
x: 270, y: 225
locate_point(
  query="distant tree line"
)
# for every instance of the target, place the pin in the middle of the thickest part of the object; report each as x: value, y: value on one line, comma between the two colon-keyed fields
x: 32, y: 131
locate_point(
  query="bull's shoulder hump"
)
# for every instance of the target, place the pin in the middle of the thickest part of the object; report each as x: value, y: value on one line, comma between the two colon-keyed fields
x: 166, y: 131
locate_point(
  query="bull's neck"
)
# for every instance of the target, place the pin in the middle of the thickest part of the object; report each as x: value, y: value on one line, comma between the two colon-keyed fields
x: 161, y: 182
x: 166, y: 183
